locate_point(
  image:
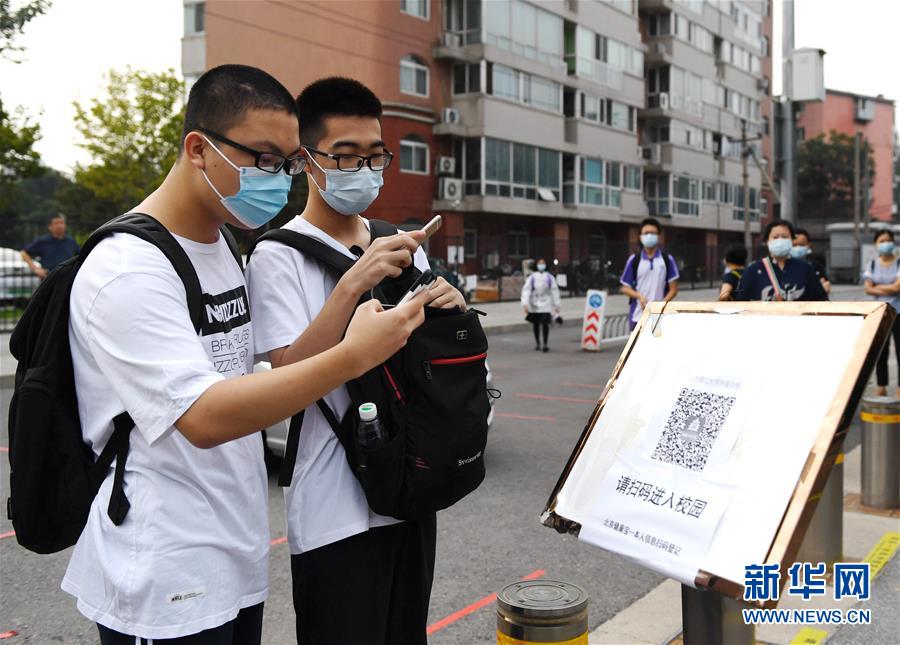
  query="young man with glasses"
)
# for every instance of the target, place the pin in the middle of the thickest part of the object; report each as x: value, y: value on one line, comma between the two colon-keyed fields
x: 380, y: 567
x: 189, y: 562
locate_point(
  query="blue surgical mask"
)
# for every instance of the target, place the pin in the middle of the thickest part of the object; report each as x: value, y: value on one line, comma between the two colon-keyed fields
x: 780, y: 247
x: 349, y: 193
x: 649, y: 240
x: 885, y: 248
x: 542, y: 267
x: 261, y: 196
x: 799, y: 252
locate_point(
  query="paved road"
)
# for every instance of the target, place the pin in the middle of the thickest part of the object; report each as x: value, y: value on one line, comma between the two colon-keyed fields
x: 489, y: 539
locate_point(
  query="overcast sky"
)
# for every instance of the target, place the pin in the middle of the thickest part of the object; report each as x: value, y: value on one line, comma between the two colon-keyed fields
x: 70, y: 49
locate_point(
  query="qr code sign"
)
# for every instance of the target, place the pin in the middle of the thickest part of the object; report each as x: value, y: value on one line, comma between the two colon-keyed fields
x: 692, y: 428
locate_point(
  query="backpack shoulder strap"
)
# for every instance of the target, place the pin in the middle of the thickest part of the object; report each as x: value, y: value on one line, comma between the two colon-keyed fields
x: 306, y: 245
x: 380, y: 228
x: 232, y: 245
x: 150, y: 230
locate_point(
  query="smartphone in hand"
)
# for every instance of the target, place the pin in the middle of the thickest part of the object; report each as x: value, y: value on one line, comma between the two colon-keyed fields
x: 424, y: 281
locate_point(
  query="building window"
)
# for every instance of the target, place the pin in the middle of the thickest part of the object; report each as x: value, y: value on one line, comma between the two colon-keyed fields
x: 517, y: 242
x: 656, y: 193
x: 414, y: 76
x: 467, y: 78
x: 513, y: 85
x: 523, y: 29
x: 194, y: 18
x: 600, y: 182
x: 519, y: 170
x: 685, y: 195
x: 413, y: 155
x: 632, y: 178
x: 417, y: 8
x: 470, y: 242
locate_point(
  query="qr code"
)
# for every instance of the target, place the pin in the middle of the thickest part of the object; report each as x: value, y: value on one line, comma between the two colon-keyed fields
x: 692, y: 428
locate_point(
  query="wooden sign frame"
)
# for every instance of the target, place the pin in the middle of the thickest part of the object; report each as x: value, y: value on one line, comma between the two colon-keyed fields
x: 878, y: 319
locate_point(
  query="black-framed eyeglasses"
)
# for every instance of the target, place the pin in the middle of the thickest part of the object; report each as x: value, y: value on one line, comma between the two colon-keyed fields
x: 271, y: 162
x: 352, y: 163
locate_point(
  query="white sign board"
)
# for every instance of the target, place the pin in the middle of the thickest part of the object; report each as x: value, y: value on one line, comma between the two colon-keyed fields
x: 700, y: 440
x: 592, y: 327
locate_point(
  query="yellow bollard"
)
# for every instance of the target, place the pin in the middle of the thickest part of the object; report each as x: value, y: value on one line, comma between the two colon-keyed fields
x: 540, y: 612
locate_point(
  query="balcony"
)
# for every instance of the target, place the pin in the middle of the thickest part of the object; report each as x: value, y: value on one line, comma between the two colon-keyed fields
x: 666, y: 103
x: 463, y: 46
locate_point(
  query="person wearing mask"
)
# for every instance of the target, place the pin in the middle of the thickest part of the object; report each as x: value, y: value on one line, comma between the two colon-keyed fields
x: 51, y: 249
x: 803, y: 251
x: 339, y: 547
x: 778, y: 277
x: 735, y: 260
x: 190, y: 562
x: 540, y: 299
x: 882, y: 281
x: 650, y: 274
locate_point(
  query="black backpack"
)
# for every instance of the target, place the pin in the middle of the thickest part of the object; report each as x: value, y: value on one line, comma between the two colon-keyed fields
x: 431, y: 396
x: 53, y: 474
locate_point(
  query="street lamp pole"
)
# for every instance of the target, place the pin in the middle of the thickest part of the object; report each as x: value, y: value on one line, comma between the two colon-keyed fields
x: 745, y: 152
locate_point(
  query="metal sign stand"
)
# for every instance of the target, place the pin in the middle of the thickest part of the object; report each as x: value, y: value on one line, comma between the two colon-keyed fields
x: 709, y: 618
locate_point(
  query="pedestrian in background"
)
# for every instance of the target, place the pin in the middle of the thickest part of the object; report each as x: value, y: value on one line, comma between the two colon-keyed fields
x: 735, y: 260
x: 650, y: 274
x: 51, y: 249
x: 540, y: 298
x: 777, y: 276
x: 802, y: 250
x: 882, y: 281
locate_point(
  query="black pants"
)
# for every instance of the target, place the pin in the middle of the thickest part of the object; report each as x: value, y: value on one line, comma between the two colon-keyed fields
x: 245, y: 629
x: 541, y: 324
x: 881, y: 369
x: 372, y: 588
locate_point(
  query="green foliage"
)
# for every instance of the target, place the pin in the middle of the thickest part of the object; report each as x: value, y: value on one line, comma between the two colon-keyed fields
x: 18, y: 158
x: 825, y: 175
x: 132, y: 134
x: 12, y: 23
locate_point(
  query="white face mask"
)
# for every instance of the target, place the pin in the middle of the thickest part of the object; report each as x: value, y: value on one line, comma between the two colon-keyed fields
x: 349, y: 193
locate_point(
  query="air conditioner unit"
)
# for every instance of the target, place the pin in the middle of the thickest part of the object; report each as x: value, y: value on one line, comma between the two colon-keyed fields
x: 651, y: 153
x: 450, y: 40
x: 640, y: 152
x: 762, y: 84
x: 865, y: 109
x: 446, y: 166
x: 660, y: 48
x: 450, y: 115
x: 450, y: 189
x: 664, y: 100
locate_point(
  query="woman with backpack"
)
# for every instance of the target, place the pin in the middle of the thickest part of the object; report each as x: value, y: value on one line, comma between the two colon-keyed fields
x: 882, y: 282
x: 540, y: 298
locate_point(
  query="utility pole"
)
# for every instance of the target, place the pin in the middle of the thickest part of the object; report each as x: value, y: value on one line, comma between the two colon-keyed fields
x: 864, y: 152
x: 856, y: 218
x: 788, y: 141
x: 746, y: 177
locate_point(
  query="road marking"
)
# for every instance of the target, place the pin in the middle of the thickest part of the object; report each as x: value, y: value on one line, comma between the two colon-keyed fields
x: 6, y: 535
x: 9, y: 634
x: 475, y: 606
x: 277, y: 541
x: 564, y: 399
x: 809, y: 636
x: 882, y: 552
x: 524, y: 417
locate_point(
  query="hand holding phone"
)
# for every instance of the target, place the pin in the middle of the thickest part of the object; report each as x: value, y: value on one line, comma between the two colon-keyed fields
x: 432, y: 227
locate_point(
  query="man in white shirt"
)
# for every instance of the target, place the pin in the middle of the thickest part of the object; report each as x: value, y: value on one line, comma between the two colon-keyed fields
x: 189, y: 562
x: 339, y: 547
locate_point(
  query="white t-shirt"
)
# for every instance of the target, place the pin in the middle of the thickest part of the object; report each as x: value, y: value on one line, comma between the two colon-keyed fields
x: 193, y: 549
x: 325, y: 502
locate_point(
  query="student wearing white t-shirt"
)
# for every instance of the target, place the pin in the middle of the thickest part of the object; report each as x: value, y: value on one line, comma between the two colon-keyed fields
x: 189, y: 564
x: 381, y: 568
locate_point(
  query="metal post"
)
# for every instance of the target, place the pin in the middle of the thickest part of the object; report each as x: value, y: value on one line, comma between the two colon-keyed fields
x: 824, y: 541
x: 880, y: 452
x: 709, y: 618
x: 746, y: 176
x: 788, y: 135
x: 858, y: 256
x: 864, y: 177
x: 542, y: 611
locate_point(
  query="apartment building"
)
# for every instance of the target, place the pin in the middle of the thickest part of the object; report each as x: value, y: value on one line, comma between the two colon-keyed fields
x: 536, y: 127
x: 873, y: 118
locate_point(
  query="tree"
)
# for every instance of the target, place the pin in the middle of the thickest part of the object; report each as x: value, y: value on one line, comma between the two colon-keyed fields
x: 825, y: 176
x: 132, y: 134
x: 17, y: 135
x: 12, y: 24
